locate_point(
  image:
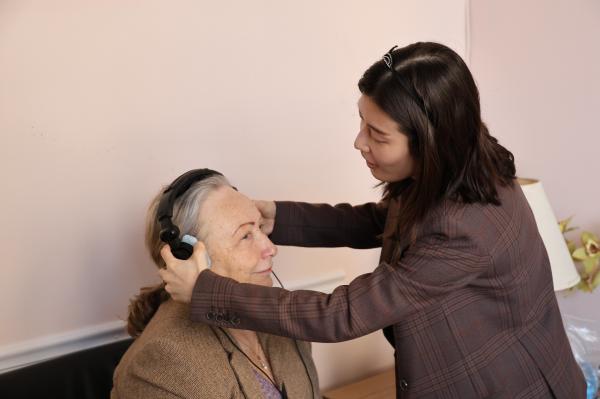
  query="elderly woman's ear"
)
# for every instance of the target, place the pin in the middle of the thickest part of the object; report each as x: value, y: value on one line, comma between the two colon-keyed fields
x: 180, y: 276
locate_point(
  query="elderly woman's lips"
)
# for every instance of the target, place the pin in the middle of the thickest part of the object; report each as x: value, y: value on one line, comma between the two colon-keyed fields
x: 266, y: 271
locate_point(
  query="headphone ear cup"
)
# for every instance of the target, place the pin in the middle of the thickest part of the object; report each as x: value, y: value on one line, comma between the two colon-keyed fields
x: 182, y: 250
x: 169, y: 234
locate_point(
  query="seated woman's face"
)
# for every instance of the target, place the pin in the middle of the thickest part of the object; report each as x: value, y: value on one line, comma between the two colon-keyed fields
x: 231, y: 230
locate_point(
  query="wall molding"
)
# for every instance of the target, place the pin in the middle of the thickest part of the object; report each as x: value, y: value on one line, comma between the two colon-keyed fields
x: 325, y: 282
x: 47, y: 347
x: 468, y: 32
x: 44, y: 348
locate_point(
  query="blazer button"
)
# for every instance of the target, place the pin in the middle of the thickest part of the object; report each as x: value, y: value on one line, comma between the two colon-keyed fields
x: 219, y: 317
x: 235, y: 320
x: 210, y: 316
x: 403, y: 385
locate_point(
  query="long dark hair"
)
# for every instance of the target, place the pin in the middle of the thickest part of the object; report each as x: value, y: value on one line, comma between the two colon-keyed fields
x: 431, y: 95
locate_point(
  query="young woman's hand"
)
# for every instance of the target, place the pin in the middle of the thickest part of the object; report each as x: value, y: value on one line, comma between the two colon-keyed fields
x: 267, y: 210
x: 180, y: 275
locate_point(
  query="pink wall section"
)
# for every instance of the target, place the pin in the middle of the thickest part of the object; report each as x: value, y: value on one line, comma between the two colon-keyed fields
x: 537, y: 64
x: 102, y: 102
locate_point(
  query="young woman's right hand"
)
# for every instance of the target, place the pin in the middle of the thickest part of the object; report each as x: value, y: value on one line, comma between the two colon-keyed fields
x: 267, y: 210
x: 180, y: 275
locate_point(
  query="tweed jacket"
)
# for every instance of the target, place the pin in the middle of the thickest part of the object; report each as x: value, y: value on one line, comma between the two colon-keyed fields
x: 175, y: 358
x: 469, y: 306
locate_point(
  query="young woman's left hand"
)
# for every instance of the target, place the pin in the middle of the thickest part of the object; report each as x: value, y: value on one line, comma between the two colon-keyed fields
x: 180, y: 275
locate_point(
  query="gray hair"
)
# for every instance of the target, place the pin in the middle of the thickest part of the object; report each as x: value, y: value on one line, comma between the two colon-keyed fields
x: 186, y: 213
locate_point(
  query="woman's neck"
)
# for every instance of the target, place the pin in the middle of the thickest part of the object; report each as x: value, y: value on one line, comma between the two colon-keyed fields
x: 250, y: 345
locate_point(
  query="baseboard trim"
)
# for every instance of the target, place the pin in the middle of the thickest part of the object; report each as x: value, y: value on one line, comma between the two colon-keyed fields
x: 36, y: 350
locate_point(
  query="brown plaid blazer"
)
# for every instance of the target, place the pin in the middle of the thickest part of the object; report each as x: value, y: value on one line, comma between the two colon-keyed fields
x: 469, y: 307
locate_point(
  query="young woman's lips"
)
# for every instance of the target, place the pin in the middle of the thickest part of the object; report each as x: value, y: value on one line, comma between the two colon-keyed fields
x: 370, y: 165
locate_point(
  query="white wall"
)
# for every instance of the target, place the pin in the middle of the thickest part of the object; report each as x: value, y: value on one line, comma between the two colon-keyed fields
x: 102, y: 102
x: 537, y: 65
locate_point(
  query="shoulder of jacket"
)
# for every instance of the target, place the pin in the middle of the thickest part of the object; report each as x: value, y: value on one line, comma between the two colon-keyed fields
x: 455, y: 225
x: 172, y: 336
x: 183, y: 368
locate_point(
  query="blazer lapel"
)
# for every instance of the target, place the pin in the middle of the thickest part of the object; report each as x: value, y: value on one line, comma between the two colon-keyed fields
x: 240, y: 365
x: 392, y: 246
x: 280, y: 350
x: 273, y: 351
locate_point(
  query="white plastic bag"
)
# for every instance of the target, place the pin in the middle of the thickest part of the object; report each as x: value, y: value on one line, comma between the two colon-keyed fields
x: 584, y: 336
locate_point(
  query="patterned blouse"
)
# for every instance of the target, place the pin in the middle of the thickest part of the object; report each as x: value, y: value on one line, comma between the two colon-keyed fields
x: 267, y: 387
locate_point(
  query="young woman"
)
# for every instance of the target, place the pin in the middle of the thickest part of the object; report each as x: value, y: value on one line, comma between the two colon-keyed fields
x: 463, y: 289
x: 175, y: 358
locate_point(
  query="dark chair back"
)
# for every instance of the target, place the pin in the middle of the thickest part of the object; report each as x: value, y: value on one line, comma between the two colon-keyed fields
x: 85, y: 374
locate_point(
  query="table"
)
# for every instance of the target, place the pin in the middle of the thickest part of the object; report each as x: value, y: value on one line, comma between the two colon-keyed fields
x: 379, y: 386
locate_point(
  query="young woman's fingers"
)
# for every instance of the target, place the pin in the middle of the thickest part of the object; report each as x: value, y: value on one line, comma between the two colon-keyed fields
x: 166, y: 254
x: 200, y: 256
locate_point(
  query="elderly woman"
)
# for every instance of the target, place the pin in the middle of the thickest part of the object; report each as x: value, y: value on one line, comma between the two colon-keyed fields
x: 175, y: 358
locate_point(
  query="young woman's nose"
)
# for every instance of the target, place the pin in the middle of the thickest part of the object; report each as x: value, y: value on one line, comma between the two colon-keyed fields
x: 360, y: 142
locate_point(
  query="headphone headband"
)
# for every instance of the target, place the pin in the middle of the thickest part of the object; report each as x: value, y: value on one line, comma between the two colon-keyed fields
x: 178, y: 187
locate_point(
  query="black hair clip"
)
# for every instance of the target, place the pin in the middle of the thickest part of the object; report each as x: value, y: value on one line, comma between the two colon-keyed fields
x: 388, y: 59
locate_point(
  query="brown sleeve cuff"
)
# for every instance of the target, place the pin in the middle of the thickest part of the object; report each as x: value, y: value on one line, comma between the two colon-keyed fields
x: 223, y: 302
x: 283, y: 218
x: 210, y: 299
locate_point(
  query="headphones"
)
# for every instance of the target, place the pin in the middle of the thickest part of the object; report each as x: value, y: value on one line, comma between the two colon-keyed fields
x: 182, y: 248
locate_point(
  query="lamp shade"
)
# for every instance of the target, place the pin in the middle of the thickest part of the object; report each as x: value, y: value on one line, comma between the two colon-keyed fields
x: 564, y: 273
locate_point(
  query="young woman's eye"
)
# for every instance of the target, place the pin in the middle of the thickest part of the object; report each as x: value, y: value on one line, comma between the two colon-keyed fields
x: 373, y: 135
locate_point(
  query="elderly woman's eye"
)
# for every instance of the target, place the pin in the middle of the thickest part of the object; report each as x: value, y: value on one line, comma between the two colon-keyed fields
x: 246, y: 236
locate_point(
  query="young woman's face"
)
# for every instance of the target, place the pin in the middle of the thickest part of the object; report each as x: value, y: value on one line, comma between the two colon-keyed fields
x: 234, y: 240
x: 383, y: 146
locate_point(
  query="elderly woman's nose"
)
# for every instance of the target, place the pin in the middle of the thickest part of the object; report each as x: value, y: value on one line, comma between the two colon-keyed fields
x: 270, y: 249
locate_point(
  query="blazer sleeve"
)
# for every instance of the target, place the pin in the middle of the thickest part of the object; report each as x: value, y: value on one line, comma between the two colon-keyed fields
x: 321, y: 225
x: 438, y: 264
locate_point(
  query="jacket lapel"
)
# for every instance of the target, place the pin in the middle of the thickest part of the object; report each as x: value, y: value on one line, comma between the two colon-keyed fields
x: 392, y: 247
x: 279, y: 352
x: 295, y: 376
x: 274, y: 351
x: 240, y: 365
